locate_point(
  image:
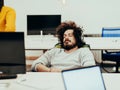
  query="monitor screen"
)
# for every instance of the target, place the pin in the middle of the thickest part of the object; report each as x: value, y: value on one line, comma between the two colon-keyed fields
x: 12, y: 53
x: 45, y: 23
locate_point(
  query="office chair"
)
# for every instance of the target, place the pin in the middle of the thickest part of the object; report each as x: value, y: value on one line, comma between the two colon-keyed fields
x: 108, y: 54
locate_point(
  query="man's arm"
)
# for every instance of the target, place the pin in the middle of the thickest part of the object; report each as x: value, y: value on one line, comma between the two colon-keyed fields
x: 87, y: 57
x: 43, y: 68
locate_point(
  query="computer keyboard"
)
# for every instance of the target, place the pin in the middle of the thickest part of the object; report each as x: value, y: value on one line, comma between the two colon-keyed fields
x: 7, y: 76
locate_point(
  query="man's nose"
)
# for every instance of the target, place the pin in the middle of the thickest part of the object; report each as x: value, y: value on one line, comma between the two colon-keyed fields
x: 66, y: 36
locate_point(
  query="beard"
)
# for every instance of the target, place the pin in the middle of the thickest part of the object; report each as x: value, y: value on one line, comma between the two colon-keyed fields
x: 68, y: 47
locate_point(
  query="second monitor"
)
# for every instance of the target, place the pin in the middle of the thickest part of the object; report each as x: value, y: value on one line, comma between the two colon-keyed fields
x: 45, y: 23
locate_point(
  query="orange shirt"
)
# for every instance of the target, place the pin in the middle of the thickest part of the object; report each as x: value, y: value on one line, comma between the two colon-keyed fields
x: 7, y: 19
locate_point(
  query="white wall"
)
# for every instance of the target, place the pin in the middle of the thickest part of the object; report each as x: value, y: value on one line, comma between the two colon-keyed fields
x: 91, y: 14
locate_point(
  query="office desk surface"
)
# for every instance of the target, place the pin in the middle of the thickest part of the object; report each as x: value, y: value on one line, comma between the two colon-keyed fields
x: 35, y: 81
x: 40, y: 42
x: 100, y: 43
x: 112, y: 81
x: 52, y: 81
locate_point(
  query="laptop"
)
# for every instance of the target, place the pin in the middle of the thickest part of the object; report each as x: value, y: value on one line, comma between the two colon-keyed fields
x: 87, y: 78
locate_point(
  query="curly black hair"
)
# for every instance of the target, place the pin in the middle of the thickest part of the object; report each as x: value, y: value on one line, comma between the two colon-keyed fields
x: 77, y: 32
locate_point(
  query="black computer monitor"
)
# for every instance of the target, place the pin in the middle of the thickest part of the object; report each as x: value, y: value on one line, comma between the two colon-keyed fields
x: 45, y: 23
x: 12, y: 53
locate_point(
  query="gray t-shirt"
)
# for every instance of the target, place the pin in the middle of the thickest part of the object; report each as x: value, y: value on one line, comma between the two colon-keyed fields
x: 57, y: 58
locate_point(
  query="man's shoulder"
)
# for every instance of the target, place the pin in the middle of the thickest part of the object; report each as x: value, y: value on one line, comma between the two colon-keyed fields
x: 83, y: 49
x: 55, y: 50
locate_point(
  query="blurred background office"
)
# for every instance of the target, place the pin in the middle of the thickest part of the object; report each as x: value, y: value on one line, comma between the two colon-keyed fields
x: 92, y: 15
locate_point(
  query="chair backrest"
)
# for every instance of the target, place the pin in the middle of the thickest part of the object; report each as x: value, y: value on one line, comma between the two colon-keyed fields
x: 110, y: 32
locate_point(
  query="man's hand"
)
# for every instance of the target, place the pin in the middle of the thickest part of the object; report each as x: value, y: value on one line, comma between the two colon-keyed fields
x: 55, y: 70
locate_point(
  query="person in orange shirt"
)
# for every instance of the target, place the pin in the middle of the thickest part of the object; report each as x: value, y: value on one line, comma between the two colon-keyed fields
x: 7, y: 18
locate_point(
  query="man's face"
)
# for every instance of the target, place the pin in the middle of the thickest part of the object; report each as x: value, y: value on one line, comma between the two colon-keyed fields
x: 69, y: 40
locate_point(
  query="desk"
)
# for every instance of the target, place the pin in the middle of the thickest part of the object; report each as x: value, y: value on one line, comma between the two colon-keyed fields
x: 54, y: 81
x: 97, y: 43
x: 112, y: 81
x: 40, y: 42
x: 100, y: 43
x: 44, y: 80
